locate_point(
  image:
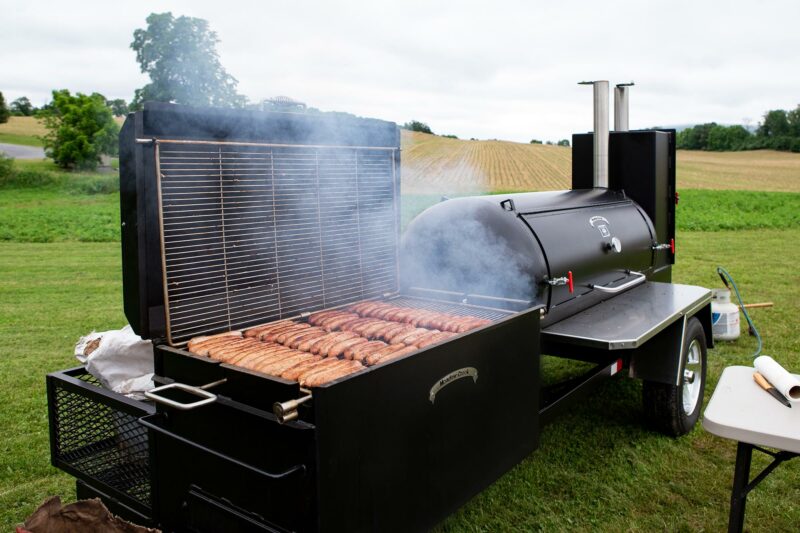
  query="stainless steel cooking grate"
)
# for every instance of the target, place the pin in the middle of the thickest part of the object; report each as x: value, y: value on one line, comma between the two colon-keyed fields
x: 256, y: 232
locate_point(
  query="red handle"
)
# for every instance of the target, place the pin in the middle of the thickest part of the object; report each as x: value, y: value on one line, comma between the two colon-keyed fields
x: 570, y: 284
x: 672, y: 246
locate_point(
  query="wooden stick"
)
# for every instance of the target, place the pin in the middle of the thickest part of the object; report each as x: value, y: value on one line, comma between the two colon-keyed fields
x: 762, y: 304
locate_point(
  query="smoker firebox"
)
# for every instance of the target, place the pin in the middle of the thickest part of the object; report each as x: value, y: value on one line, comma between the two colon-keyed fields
x: 233, y: 219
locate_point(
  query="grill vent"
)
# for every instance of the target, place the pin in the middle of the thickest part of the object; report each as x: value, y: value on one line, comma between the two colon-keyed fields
x: 253, y: 233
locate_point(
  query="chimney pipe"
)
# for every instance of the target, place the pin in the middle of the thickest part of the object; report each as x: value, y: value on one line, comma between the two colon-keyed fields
x: 600, y: 132
x: 621, y: 106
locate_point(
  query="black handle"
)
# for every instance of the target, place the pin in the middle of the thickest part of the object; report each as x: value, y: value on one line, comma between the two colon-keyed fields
x: 151, y: 425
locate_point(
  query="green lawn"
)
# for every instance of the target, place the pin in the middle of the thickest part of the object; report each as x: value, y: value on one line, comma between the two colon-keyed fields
x: 598, y: 469
x: 16, y: 138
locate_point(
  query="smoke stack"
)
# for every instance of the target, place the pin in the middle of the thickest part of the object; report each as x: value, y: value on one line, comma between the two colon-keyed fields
x: 600, y: 132
x: 621, y: 106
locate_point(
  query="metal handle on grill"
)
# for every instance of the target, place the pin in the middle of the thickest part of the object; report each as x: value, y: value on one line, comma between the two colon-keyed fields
x: 208, y: 397
x: 612, y: 290
x: 301, y: 468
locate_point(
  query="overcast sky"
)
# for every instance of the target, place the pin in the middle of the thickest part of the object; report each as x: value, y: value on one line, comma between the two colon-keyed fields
x: 488, y: 69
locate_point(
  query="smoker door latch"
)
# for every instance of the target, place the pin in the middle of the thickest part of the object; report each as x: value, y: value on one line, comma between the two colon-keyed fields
x: 564, y: 280
x: 666, y: 246
x: 206, y: 397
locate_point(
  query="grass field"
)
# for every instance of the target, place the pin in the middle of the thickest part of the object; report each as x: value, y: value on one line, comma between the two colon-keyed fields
x: 597, y: 469
x: 22, y: 130
x: 437, y: 165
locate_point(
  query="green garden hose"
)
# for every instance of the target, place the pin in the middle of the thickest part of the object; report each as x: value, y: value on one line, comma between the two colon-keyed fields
x: 725, y: 277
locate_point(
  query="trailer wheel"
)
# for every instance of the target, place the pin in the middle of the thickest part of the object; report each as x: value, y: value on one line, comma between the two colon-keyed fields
x: 675, y: 409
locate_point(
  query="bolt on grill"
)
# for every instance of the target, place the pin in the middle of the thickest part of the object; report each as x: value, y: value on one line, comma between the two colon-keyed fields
x: 257, y: 232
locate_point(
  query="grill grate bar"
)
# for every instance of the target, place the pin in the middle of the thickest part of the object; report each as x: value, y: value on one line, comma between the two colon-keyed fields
x: 253, y: 233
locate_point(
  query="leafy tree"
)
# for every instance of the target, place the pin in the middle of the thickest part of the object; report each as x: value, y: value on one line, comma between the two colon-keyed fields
x: 776, y: 124
x: 725, y: 138
x: 119, y: 107
x: 22, y: 107
x: 4, y: 112
x: 535, y: 141
x: 450, y: 136
x: 81, y: 129
x: 793, y: 117
x: 416, y: 125
x: 180, y: 56
x: 563, y: 142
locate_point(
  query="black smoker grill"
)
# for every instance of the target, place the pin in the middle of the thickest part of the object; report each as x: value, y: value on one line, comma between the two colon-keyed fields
x: 232, y: 219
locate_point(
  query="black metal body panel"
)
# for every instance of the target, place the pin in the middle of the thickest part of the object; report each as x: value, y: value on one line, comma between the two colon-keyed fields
x: 642, y: 164
x: 377, y: 453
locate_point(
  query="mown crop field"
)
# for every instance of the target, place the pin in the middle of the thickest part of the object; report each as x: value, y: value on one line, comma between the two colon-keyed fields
x: 22, y: 130
x: 598, y: 469
x: 438, y: 165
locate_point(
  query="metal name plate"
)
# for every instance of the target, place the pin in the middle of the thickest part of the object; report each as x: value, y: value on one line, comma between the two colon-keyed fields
x: 469, y: 371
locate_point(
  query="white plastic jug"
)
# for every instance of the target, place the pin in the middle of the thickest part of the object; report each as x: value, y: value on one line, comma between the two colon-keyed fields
x: 724, y: 316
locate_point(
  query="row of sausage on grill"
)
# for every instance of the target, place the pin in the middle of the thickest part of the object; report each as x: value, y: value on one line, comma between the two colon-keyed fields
x: 333, y: 344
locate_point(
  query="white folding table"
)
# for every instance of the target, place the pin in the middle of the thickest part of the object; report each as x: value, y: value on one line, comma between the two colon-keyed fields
x: 740, y: 410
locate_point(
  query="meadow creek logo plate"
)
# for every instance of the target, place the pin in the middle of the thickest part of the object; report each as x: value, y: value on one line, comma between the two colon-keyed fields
x: 467, y: 372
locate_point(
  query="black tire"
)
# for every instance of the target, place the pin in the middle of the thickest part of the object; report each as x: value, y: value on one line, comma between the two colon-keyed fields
x: 664, y: 404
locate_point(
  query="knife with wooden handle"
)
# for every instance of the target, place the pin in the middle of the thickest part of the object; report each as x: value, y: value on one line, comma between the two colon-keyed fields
x: 767, y: 386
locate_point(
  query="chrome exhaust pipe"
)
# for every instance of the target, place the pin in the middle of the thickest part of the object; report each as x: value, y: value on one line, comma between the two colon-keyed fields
x: 621, y: 106
x: 287, y: 411
x: 600, y: 87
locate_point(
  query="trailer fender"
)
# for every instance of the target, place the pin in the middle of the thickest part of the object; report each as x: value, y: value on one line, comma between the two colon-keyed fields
x: 659, y: 359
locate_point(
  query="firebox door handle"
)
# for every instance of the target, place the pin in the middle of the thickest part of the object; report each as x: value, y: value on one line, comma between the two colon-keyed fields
x: 207, y: 397
x: 640, y: 278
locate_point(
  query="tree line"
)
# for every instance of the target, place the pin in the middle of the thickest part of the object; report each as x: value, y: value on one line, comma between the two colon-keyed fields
x: 780, y: 130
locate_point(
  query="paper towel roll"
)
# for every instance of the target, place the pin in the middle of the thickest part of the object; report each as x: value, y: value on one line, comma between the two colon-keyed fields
x: 783, y: 381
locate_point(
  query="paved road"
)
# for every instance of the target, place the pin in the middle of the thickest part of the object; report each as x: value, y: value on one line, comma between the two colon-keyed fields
x: 22, y: 152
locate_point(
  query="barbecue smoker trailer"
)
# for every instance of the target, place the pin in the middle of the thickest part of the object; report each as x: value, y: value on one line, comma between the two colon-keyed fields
x: 232, y: 220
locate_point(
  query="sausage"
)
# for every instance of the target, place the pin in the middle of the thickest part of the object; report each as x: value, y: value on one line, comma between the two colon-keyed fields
x: 197, y: 341
x: 403, y: 336
x: 315, y: 318
x: 264, y: 358
x: 198, y: 344
x: 424, y: 338
x: 323, y: 347
x: 306, y: 345
x: 374, y: 357
x: 356, y: 325
x: 276, y: 368
x: 439, y: 337
x: 218, y: 351
x: 397, y: 354
x: 276, y: 333
x: 334, y: 374
x: 336, y: 322
x: 282, y: 335
x: 319, y: 371
x: 257, y: 330
x: 292, y: 372
x: 338, y: 349
x: 359, y: 352
x: 393, y: 330
x: 293, y: 339
x: 320, y: 366
x: 247, y: 351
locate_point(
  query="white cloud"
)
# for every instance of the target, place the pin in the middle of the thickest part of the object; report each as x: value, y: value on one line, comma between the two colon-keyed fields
x: 498, y: 69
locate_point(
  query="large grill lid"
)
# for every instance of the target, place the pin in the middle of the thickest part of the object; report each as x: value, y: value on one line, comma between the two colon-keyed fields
x: 235, y: 219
